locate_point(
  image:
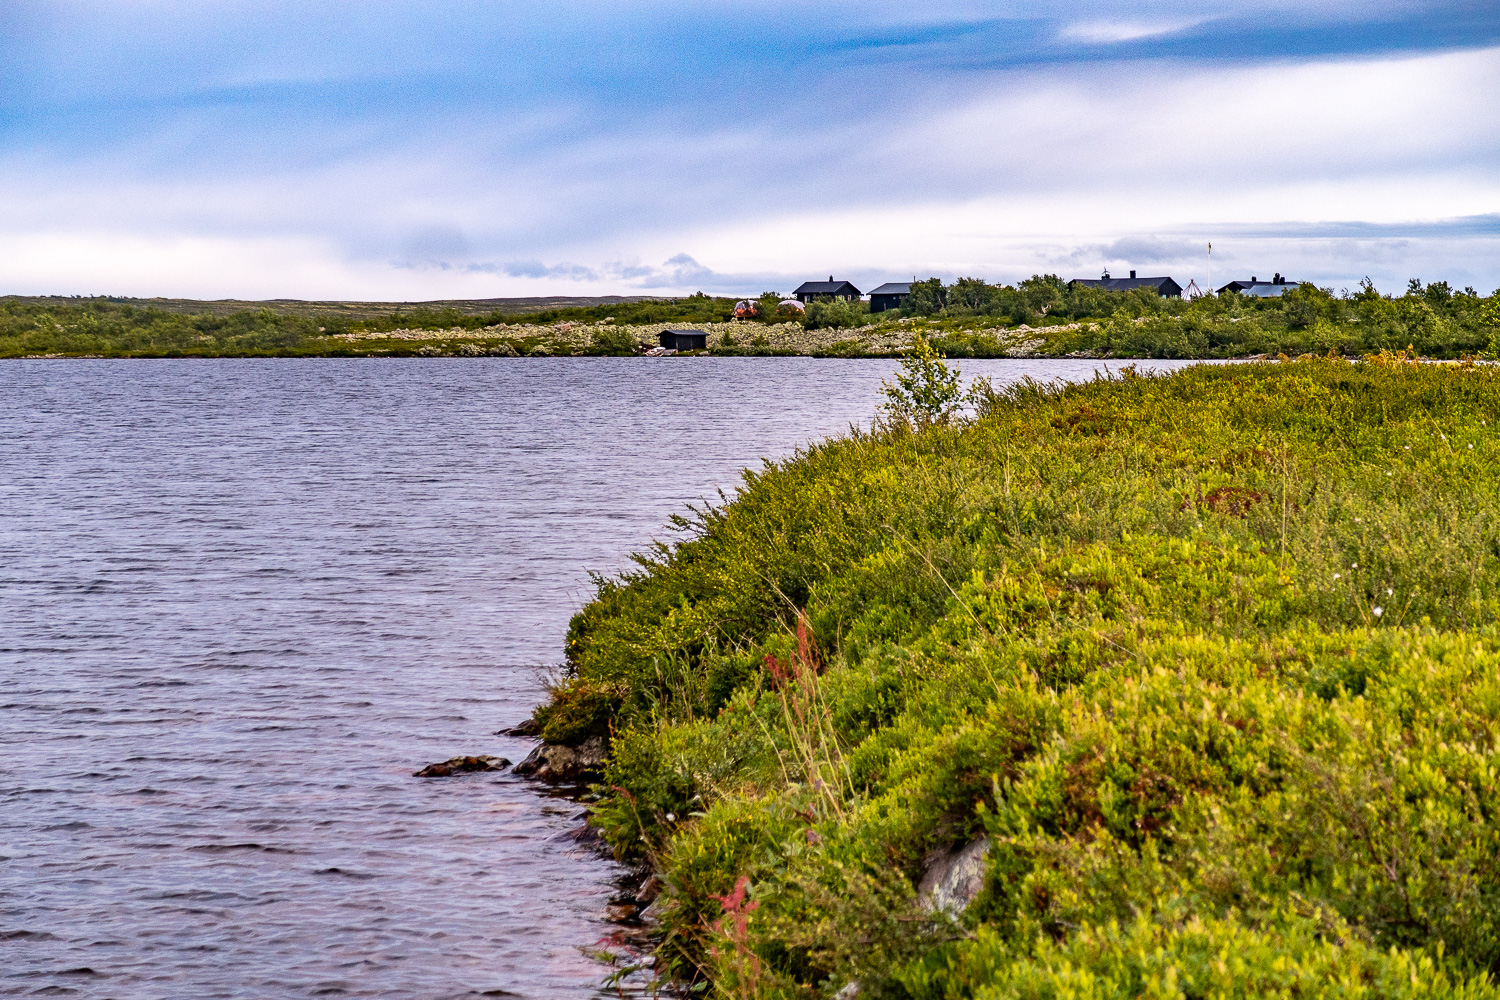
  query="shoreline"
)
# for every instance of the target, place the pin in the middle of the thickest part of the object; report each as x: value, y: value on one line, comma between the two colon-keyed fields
x: 963, y: 729
x: 1434, y: 323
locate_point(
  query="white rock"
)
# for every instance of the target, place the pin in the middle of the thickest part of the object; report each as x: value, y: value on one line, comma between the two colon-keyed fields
x: 953, y: 878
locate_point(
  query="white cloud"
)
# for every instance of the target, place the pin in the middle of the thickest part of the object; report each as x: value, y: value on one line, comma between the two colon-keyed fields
x: 1004, y: 175
x: 1106, y: 32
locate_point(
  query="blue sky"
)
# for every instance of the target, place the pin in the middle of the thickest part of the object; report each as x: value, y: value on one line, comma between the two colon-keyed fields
x: 388, y: 150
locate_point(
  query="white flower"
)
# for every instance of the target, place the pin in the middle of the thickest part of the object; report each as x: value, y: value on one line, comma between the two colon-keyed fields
x: 1471, y: 448
x: 1354, y: 565
x: 1389, y: 592
x: 1377, y: 610
x: 1407, y: 447
x: 1443, y: 436
x: 1338, y: 576
x: 1357, y: 520
x: 672, y: 817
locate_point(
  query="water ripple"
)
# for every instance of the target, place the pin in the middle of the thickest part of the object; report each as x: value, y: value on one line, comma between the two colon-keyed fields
x: 241, y: 601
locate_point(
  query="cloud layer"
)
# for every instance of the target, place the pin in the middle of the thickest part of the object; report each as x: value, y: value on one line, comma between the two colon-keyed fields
x: 424, y: 150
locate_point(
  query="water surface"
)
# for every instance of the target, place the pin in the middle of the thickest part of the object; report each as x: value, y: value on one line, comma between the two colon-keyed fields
x: 242, y: 600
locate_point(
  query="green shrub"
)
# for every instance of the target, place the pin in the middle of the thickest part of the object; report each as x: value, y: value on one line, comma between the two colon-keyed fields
x: 1210, y: 659
x: 835, y: 313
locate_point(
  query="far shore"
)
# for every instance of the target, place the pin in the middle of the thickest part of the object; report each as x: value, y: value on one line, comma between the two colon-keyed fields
x: 1045, y: 319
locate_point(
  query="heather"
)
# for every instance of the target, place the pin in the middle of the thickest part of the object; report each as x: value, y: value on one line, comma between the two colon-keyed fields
x: 1211, y: 660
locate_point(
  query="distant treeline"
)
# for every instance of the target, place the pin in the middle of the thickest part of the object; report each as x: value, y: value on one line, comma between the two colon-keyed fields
x: 101, y: 327
x: 968, y: 318
x: 1435, y: 319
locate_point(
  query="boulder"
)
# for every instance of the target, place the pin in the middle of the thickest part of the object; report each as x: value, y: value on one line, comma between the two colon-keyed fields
x: 462, y: 765
x: 556, y: 762
x: 953, y: 878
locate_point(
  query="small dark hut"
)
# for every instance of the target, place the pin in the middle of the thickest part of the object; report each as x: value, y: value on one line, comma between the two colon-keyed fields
x: 1165, y: 287
x: 891, y: 295
x: 684, y: 340
x: 830, y: 289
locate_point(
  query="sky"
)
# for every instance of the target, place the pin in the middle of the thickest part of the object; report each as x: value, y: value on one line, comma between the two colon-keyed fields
x: 403, y: 151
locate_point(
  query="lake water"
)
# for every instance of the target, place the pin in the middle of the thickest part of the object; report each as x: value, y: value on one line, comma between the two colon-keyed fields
x: 242, y: 600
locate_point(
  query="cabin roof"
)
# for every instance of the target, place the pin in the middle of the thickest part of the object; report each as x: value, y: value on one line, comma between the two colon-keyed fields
x: 1126, y: 284
x: 1260, y: 288
x: 893, y: 288
x: 829, y: 287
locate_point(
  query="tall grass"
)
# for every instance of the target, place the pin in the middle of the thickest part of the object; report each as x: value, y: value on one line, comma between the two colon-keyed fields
x: 1211, y: 659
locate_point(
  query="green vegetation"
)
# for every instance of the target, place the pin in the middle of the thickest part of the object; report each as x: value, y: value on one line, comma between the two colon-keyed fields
x: 1434, y: 320
x: 1039, y: 317
x: 1212, y: 660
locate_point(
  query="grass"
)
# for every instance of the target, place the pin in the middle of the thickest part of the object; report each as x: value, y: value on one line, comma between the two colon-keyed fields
x: 1212, y: 660
x: 1043, y: 318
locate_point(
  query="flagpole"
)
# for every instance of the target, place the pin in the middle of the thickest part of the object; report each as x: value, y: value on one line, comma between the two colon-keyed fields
x: 1210, y: 288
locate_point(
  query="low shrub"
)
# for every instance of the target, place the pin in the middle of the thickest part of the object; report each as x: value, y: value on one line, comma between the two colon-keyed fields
x: 1209, y: 659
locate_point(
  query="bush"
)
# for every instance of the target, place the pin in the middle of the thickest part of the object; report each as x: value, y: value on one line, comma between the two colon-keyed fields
x: 612, y: 341
x: 835, y: 313
x: 1211, y: 660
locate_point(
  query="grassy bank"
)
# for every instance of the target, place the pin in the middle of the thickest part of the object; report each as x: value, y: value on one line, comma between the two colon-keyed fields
x: 1211, y: 660
x: 1041, y: 317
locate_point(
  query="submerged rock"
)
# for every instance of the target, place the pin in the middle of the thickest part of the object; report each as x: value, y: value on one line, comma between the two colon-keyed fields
x: 528, y: 727
x: 555, y: 762
x: 953, y: 878
x: 462, y: 765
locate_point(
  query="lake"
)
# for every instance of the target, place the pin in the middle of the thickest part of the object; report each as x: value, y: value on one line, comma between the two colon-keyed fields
x: 241, y: 601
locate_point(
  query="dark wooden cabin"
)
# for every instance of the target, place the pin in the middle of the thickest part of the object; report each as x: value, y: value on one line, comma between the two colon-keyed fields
x: 830, y: 289
x: 684, y: 340
x: 891, y: 295
x: 1165, y: 287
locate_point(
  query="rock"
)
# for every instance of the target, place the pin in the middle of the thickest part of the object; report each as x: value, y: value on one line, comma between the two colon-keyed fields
x: 469, y: 351
x: 653, y: 913
x: 953, y: 878
x: 848, y: 991
x: 555, y: 762
x: 428, y: 351
x: 462, y: 765
x: 618, y: 912
x: 649, y: 890
x: 504, y: 351
x: 588, y: 835
x: 526, y: 728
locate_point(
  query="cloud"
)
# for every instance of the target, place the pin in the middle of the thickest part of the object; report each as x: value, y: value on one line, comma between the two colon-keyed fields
x: 435, y: 246
x: 536, y: 269
x: 1139, y: 250
x: 445, y: 150
x: 1110, y: 31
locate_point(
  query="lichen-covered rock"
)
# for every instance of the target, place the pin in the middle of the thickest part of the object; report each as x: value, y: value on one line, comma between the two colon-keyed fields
x: 556, y: 762
x: 953, y: 878
x: 462, y: 765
